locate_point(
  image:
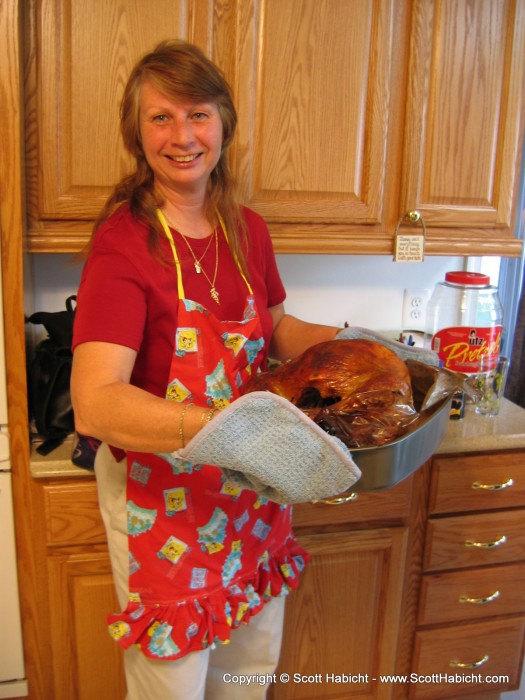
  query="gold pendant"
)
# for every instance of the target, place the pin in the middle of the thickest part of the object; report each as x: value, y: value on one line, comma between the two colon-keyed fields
x: 197, y: 267
x: 215, y: 295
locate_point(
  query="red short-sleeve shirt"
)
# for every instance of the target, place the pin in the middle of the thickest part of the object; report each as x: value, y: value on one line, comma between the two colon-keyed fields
x: 128, y: 297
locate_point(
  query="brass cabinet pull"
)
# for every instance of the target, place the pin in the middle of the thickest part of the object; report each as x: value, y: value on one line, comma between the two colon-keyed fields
x: 477, y: 485
x: 473, y: 664
x: 486, y: 545
x: 339, y: 500
x: 479, y: 601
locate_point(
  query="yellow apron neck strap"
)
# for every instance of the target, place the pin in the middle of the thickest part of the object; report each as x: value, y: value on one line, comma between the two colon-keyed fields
x: 180, y: 286
x: 223, y: 226
x: 164, y: 224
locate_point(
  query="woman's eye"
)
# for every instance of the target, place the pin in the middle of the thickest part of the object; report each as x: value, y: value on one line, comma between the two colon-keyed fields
x: 199, y: 116
x: 160, y: 118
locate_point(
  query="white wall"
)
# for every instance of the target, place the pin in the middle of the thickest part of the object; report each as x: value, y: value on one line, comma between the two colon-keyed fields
x: 362, y: 290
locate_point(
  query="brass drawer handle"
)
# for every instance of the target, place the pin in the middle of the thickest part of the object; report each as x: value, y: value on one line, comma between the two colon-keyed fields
x: 486, y: 545
x: 473, y: 664
x: 477, y: 485
x: 338, y: 500
x: 479, y: 601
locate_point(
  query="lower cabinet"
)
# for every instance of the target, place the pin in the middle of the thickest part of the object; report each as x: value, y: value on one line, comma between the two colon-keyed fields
x: 346, y: 624
x: 424, y: 583
x: 343, y: 623
x: 471, y: 620
x: 88, y: 663
x: 470, y: 659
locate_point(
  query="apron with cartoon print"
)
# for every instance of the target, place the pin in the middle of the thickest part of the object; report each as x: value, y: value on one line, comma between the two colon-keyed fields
x: 204, y: 555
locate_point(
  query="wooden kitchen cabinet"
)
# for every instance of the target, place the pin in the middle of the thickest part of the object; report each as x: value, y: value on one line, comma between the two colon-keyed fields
x: 350, y: 115
x: 86, y: 662
x: 351, y: 612
x: 464, y: 117
x: 78, y: 57
x: 348, y: 616
x: 491, y: 648
x: 471, y: 617
x: 345, y: 618
x: 317, y: 132
x: 398, y: 106
x: 314, y: 116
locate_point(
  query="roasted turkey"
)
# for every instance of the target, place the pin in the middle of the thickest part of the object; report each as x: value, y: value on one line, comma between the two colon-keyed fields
x: 358, y: 390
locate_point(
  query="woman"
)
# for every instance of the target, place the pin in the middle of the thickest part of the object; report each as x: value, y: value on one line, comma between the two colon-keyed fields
x: 180, y: 299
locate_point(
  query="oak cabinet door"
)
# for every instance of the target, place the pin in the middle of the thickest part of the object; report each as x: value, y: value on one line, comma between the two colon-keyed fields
x: 78, y: 58
x: 464, y: 115
x: 343, y: 623
x: 87, y: 663
x: 312, y: 82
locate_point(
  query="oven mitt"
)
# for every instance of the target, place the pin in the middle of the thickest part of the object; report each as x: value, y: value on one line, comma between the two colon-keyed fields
x: 263, y: 442
x: 405, y: 352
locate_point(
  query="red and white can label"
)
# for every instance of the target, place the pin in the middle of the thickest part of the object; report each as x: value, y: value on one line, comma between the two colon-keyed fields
x: 461, y: 348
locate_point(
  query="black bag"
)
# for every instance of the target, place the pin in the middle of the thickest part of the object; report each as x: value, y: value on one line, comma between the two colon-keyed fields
x: 49, y: 377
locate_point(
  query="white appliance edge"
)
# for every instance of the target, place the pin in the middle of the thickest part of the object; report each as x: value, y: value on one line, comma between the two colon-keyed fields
x: 12, y: 672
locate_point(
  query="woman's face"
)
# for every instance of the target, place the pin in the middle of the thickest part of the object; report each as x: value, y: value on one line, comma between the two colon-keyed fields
x: 181, y: 140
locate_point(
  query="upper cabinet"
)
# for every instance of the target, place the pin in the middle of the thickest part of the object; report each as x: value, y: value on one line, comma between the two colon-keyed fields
x: 464, y: 120
x: 313, y: 82
x: 351, y: 113
x: 79, y: 54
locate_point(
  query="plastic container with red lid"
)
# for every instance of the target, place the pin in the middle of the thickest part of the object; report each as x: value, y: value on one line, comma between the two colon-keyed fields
x: 464, y: 322
x: 470, y: 279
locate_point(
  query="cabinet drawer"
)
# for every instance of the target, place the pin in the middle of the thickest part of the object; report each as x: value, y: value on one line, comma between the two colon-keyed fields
x: 475, y: 540
x: 471, y: 595
x: 72, y: 515
x: 477, y: 482
x: 491, y: 649
x: 388, y: 506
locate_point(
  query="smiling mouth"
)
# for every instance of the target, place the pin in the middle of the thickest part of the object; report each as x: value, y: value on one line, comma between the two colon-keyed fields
x: 184, y: 159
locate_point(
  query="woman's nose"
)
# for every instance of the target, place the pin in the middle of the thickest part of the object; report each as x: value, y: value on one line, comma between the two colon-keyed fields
x: 181, y: 132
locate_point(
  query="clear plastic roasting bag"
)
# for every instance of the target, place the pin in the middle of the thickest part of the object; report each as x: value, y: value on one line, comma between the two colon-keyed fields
x: 360, y: 406
x: 370, y: 423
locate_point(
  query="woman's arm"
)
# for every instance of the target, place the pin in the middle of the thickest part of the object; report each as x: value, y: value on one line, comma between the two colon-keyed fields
x: 108, y: 407
x: 291, y: 336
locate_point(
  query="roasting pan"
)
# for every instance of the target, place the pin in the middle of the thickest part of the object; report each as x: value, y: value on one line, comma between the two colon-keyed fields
x: 385, y: 466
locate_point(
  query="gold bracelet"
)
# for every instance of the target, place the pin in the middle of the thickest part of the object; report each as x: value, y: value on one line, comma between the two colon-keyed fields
x: 211, y: 413
x: 181, y: 424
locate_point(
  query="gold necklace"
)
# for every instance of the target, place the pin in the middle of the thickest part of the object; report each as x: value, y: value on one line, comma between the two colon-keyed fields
x: 213, y: 292
x: 197, y: 261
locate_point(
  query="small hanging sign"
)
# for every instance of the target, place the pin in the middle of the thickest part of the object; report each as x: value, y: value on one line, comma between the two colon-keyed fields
x: 410, y: 247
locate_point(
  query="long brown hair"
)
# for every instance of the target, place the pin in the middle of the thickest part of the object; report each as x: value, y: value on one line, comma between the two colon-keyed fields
x: 179, y: 70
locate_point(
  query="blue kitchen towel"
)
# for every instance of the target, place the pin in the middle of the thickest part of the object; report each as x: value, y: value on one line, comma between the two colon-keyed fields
x: 405, y: 352
x: 264, y: 443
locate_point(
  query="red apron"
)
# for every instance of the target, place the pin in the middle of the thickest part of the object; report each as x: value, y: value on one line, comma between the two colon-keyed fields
x: 204, y: 555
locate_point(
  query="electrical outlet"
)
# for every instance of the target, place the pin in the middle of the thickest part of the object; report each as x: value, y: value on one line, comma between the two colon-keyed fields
x: 414, y: 309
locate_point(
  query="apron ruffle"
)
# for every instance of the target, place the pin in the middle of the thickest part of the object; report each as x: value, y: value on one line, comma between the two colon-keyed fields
x: 170, y: 631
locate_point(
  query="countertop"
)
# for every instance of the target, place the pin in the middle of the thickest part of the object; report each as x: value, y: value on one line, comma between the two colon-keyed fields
x: 472, y: 433
x: 475, y: 433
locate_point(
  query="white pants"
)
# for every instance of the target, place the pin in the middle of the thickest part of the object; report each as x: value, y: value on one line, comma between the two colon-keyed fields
x: 205, y: 675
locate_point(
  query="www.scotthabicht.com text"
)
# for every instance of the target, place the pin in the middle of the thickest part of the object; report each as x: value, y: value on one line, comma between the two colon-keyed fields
x: 356, y: 678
